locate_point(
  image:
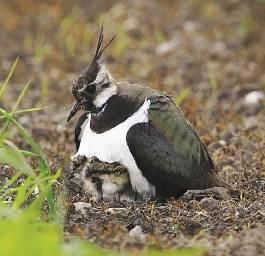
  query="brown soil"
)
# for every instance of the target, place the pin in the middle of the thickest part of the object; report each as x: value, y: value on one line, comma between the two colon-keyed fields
x: 212, y: 51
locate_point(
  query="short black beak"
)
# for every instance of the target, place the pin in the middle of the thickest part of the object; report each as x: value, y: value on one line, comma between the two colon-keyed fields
x: 75, y: 108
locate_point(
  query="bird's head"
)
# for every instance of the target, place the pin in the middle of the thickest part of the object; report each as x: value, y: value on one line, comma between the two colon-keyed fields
x: 95, y: 85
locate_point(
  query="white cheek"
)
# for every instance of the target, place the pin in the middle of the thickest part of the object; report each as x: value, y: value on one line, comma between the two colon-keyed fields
x: 103, y: 97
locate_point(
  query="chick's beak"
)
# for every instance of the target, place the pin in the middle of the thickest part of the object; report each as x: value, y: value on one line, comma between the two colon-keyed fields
x: 75, y: 108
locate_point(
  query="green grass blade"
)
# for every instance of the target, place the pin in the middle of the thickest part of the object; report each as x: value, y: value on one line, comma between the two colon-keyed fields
x: 28, y: 153
x: 10, y: 154
x: 4, y: 128
x: 35, y: 147
x: 182, y: 96
x: 213, y: 82
x: 43, y: 164
x: 23, y: 192
x: 3, y: 87
x: 49, y: 193
x: 20, y: 96
x: 33, y: 211
x: 29, y: 110
x: 11, y: 181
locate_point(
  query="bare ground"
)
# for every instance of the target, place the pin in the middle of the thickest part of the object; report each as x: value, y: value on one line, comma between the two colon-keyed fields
x: 211, y: 52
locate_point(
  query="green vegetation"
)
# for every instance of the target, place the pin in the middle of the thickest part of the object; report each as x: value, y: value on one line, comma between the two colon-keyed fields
x: 213, y: 82
x: 182, y: 96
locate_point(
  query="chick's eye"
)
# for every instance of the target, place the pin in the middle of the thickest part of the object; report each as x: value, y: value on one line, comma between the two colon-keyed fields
x: 91, y: 89
x: 96, y: 180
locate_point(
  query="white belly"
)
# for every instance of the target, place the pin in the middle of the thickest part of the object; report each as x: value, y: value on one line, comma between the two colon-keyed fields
x: 111, y: 146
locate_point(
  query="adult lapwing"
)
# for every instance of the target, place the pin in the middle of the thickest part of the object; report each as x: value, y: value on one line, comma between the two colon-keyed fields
x: 140, y: 128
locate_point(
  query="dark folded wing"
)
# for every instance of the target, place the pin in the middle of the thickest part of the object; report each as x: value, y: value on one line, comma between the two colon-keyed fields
x: 168, y: 151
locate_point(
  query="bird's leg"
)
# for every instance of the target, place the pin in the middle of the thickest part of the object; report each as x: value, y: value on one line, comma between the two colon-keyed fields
x: 160, y: 200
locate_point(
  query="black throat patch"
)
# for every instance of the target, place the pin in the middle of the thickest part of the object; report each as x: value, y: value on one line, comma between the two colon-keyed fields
x: 117, y: 110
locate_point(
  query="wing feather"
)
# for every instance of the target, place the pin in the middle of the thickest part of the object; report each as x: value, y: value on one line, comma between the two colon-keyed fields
x: 169, y: 152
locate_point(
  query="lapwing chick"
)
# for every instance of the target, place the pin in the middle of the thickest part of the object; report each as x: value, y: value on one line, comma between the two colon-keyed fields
x: 140, y: 128
x: 102, y: 180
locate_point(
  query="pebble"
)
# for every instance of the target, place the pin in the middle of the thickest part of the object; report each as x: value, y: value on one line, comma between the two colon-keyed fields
x: 81, y: 207
x: 137, y: 232
x: 250, y: 123
x: 222, y: 142
x: 210, y: 203
x: 115, y: 210
x: 254, y: 97
x: 167, y: 47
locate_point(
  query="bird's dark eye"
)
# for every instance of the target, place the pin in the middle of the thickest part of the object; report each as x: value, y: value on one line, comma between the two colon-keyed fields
x: 105, y: 85
x: 91, y: 89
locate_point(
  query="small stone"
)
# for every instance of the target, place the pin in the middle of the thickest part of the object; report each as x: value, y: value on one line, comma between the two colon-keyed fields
x: 115, y: 210
x: 137, y: 232
x: 167, y: 47
x: 214, y: 146
x: 82, y: 207
x: 218, y: 193
x: 253, y: 98
x: 210, y: 203
x: 250, y: 123
x: 189, y: 26
x: 222, y: 142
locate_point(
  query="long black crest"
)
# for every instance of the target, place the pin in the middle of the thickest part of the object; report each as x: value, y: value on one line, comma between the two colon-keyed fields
x: 100, y: 48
